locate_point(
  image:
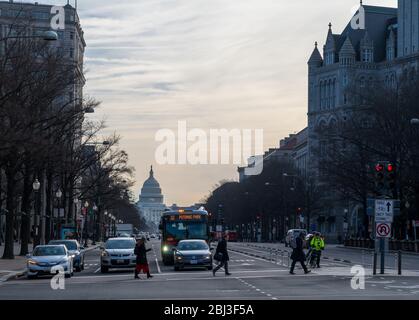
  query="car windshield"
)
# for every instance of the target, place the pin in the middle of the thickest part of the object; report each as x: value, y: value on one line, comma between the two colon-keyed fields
x: 71, y: 245
x: 181, y: 230
x: 49, y: 251
x: 120, y: 244
x: 192, y: 245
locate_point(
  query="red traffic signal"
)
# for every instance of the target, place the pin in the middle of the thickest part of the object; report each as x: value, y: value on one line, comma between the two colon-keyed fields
x: 379, y: 167
x: 390, y: 167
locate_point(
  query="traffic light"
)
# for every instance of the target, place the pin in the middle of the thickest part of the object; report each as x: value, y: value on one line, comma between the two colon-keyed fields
x: 391, y: 176
x: 385, y: 177
x: 379, y: 177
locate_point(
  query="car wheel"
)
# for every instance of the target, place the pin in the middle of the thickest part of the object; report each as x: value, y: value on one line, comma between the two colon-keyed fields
x: 67, y: 275
x: 104, y: 269
x: 78, y: 269
x: 177, y: 268
x: 31, y: 277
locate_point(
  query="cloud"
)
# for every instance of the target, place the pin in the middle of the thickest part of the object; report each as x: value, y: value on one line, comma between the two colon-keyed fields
x: 214, y: 63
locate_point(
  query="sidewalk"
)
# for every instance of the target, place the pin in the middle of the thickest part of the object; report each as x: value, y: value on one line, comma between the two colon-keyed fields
x: 17, y: 267
x: 341, y: 246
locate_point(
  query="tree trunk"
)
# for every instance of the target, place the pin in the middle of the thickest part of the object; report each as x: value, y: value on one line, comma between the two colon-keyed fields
x: 10, y: 214
x: 26, y: 209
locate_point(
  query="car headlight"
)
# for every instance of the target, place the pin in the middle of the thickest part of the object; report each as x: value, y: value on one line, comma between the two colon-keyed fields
x: 105, y: 254
x: 63, y: 261
x: 32, y: 262
x: 207, y: 257
x: 165, y: 249
x: 179, y: 257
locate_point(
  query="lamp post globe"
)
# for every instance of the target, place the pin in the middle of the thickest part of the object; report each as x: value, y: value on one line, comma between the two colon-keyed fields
x: 36, y: 185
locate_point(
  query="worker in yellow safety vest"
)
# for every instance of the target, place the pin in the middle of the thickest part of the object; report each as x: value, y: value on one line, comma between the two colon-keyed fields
x: 317, y: 245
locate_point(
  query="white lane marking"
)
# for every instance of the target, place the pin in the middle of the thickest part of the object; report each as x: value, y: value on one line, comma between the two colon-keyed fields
x: 158, y: 267
x: 97, y: 270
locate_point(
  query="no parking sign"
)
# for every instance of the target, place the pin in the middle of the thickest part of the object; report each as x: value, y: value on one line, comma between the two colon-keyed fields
x: 383, y: 230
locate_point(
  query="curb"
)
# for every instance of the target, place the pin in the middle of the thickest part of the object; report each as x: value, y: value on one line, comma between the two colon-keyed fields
x: 13, y: 275
x: 22, y: 273
x: 372, y: 250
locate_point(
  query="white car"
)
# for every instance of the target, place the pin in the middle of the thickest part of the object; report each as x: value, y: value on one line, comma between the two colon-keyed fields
x: 49, y: 260
x: 118, y: 253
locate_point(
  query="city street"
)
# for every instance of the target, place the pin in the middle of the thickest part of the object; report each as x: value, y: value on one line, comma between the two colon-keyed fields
x: 256, y: 275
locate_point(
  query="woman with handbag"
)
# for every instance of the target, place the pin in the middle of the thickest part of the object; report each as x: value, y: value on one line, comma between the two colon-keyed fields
x: 221, y: 255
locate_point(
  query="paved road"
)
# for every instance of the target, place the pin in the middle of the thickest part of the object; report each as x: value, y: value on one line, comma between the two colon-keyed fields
x: 254, y: 277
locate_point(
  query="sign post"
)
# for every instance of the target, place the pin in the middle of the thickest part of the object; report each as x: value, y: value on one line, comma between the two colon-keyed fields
x: 383, y: 232
x: 415, y: 224
x: 384, y: 213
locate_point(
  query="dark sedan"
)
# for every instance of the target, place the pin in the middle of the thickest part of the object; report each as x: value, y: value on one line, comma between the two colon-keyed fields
x: 192, y: 254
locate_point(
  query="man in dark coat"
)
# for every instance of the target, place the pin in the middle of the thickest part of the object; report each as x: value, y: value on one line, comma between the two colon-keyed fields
x: 224, y: 258
x: 298, y: 254
x: 142, y: 264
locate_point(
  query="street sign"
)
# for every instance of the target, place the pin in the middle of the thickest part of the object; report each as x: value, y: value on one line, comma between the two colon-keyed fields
x: 219, y: 228
x: 384, y: 211
x: 370, y: 207
x: 383, y: 230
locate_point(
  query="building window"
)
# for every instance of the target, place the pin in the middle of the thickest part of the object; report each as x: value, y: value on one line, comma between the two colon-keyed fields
x: 39, y: 15
x: 390, y: 53
x: 72, y: 35
x: 367, y: 55
x: 71, y: 52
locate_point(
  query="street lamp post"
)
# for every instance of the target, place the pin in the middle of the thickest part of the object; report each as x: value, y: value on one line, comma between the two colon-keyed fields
x: 86, y: 205
x: 95, y: 208
x: 36, y: 186
x: 58, y: 196
x: 76, y: 222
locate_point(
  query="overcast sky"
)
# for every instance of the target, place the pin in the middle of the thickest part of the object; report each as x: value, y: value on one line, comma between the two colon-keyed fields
x: 214, y: 63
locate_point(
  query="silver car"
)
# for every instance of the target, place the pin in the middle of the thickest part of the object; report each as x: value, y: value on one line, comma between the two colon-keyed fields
x: 118, y: 253
x: 49, y: 260
x: 192, y: 254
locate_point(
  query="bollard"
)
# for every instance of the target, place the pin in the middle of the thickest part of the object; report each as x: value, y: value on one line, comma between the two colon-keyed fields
x: 374, y: 264
x: 399, y: 263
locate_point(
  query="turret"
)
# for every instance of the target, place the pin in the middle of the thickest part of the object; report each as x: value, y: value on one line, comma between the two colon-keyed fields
x: 316, y: 60
x: 329, y: 49
x: 367, y: 48
x: 347, y: 54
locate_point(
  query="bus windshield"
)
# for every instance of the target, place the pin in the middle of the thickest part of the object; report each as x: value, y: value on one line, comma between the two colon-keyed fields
x: 191, y: 230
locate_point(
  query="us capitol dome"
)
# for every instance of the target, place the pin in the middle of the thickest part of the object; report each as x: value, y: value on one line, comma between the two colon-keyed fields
x: 150, y: 202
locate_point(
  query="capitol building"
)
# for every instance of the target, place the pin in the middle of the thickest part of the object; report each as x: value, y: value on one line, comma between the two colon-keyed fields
x: 150, y: 203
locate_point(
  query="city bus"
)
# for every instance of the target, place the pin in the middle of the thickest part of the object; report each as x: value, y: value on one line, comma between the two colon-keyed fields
x: 179, y: 225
